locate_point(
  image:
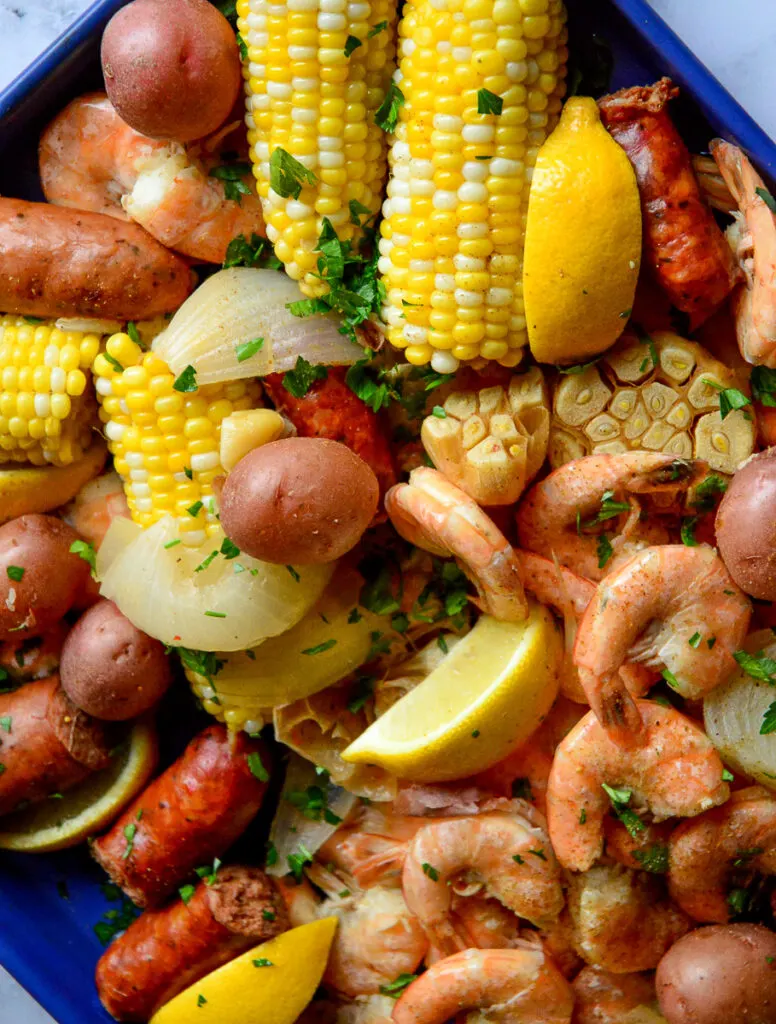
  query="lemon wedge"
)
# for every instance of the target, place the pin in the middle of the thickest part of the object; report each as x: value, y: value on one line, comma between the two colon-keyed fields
x: 582, y: 240
x: 85, y: 810
x: 270, y: 984
x: 487, y: 696
x: 27, y: 489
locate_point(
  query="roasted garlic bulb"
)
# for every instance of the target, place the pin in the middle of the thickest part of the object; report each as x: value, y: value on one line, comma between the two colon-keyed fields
x: 492, y: 442
x: 651, y: 394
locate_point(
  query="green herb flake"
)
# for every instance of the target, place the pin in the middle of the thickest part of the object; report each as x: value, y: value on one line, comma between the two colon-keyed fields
x: 769, y: 720
x: 258, y: 252
x: 439, y: 412
x: 620, y: 799
x: 299, y: 380
x: 653, y: 859
x: 206, y: 562
x: 201, y: 1001
x: 268, y: 915
x: 737, y: 900
x: 272, y: 855
x: 171, y: 544
x: 381, y: 26
x: 729, y: 398
x: 646, y: 339
x: 707, y: 491
x: 395, y: 988
x: 572, y: 371
x: 113, y: 362
x: 195, y: 509
x: 320, y: 648
x: 357, y: 211
x: 517, y: 858
x: 188, y: 472
x: 86, y: 551
x: 767, y: 198
x: 297, y: 861
x: 360, y: 693
x: 186, y: 892
x: 15, y: 573
x: 671, y: 679
x: 695, y: 641
x: 583, y: 816
x: 352, y: 43
x: 758, y: 666
x: 726, y: 775
x: 387, y: 114
x: 229, y: 549
x: 488, y: 102
x: 430, y: 871
x: 232, y: 177
x: 475, y: 734
x: 130, y: 831
x: 442, y: 644
x: 604, y: 550
x: 354, y: 616
x: 186, y: 382
x: 257, y: 767
x: 539, y: 853
x: 287, y: 175
x: 215, y: 615
x: 248, y: 349
x: 5, y: 723
x: 293, y: 573
x: 687, y: 531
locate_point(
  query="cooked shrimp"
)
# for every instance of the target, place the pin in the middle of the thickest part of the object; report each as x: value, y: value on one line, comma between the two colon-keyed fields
x: 372, y: 848
x: 753, y: 238
x: 551, y: 517
x: 638, y: 849
x: 95, y: 507
x: 557, y: 941
x: 706, y: 853
x: 512, y: 986
x: 671, y: 607
x: 439, y: 517
x: 676, y: 772
x: 377, y: 938
x: 623, y: 920
x: 91, y: 160
x: 601, y: 997
x: 363, y: 1010
x: 506, y: 856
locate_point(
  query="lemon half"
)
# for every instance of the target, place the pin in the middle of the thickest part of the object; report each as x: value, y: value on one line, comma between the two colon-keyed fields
x: 270, y: 984
x: 485, y: 699
x: 85, y: 810
x: 582, y: 240
x: 27, y: 489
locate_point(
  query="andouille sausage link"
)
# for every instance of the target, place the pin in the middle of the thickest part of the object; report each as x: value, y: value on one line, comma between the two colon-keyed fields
x: 192, y: 813
x: 47, y: 745
x: 165, y: 951
x: 62, y: 262
x: 331, y: 410
x: 683, y: 245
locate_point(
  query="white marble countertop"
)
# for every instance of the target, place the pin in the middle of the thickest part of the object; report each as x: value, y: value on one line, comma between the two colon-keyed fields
x: 736, y: 40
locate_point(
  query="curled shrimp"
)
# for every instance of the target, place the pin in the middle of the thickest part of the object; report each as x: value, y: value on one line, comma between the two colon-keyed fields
x: 676, y: 772
x: 371, y: 848
x: 637, y: 848
x: 513, y: 986
x: 556, y: 516
x: 601, y: 997
x: 439, y: 517
x: 753, y: 239
x: 95, y: 507
x: 671, y: 607
x: 707, y: 852
x: 623, y: 920
x: 91, y: 160
x: 506, y: 856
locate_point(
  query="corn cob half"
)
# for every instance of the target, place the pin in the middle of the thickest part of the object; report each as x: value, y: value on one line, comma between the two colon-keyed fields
x: 47, y: 406
x: 317, y: 72
x: 482, y: 82
x: 164, y: 435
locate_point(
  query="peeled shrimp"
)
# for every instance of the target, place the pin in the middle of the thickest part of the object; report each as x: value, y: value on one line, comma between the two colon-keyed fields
x: 671, y: 607
x: 91, y: 160
x: 753, y: 238
x: 676, y: 772
x: 372, y: 848
x: 512, y: 986
x: 623, y: 920
x: 601, y: 997
x: 705, y: 853
x: 95, y: 507
x: 506, y: 856
x: 439, y: 517
x: 551, y: 516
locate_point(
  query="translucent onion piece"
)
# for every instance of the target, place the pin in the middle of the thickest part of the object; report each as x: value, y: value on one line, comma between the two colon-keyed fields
x: 237, y: 306
x: 291, y: 829
x: 280, y: 671
x: 733, y: 715
x: 158, y: 589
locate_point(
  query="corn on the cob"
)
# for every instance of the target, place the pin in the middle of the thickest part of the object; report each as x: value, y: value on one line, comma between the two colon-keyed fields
x: 452, y: 237
x: 317, y: 72
x: 47, y: 406
x: 165, y: 442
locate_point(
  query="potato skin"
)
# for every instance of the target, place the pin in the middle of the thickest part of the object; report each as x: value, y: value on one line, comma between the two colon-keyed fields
x: 109, y: 668
x: 172, y: 68
x: 299, y: 501
x: 746, y: 526
x: 52, y: 580
x: 720, y: 975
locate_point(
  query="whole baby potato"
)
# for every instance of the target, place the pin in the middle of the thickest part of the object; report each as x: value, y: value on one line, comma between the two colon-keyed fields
x: 172, y: 68
x: 109, y: 668
x: 723, y: 974
x: 40, y: 579
x: 299, y: 501
x: 746, y: 526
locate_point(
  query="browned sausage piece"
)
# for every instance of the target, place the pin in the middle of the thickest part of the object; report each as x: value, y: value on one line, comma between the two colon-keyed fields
x: 165, y: 951
x: 46, y: 745
x: 192, y: 813
x: 683, y: 245
x: 61, y: 262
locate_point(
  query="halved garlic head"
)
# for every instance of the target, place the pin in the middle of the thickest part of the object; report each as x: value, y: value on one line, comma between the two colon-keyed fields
x: 626, y: 403
x: 492, y: 442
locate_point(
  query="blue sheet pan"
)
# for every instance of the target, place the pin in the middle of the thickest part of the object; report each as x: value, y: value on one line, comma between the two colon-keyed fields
x: 49, y: 904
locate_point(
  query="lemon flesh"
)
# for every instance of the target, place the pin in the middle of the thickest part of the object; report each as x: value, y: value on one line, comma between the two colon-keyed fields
x: 28, y: 489
x: 483, y: 701
x: 85, y: 810
x: 244, y: 992
x: 582, y: 240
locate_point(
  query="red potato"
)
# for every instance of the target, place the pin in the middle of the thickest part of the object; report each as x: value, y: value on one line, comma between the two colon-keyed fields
x: 40, y: 579
x: 172, y: 67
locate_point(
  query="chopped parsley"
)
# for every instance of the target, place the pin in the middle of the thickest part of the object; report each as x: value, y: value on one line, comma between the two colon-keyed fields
x: 727, y: 776
x: 113, y: 362
x: 572, y: 371
x: 5, y: 723
x: 758, y: 666
x: 654, y: 858
x: 229, y: 549
x: 439, y: 412
x: 287, y: 175
x: 352, y: 43
x: 763, y: 383
x: 368, y: 384
x: 15, y: 573
x: 272, y: 855
x: 208, y: 560
x: 299, y: 380
x: 195, y: 509
x: 769, y: 720
x: 130, y: 831
x: 115, y: 920
x: 381, y: 26
x: 695, y: 641
x: 203, y: 663
x: 729, y: 398
x: 294, y: 574
x: 186, y: 892
x: 248, y: 349
x: 604, y: 550
x: 257, y: 766
x: 539, y: 853
x: 208, y: 874
x: 257, y: 252
x: 297, y: 861
x: 357, y: 211
x: 671, y: 679
x: 430, y: 871
x: 262, y: 962
x: 171, y: 544
x: 232, y: 176
x: 620, y: 799
x: 360, y: 693
x: 354, y: 617
x: 313, y: 804
x: 646, y: 339
x: 517, y: 858
x: 395, y: 988
x: 687, y: 531
x: 387, y: 114
x: 201, y: 1000
x: 215, y: 615
x: 609, y: 509
x: 320, y: 648
x: 85, y: 550
x: 186, y: 382
x: 583, y: 816
x: 767, y: 198
x: 488, y: 102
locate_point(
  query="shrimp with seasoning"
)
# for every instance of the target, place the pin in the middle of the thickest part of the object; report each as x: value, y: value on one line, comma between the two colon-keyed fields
x: 601, y: 997
x: 91, y: 160
x: 506, y: 856
x: 675, y: 772
x: 671, y: 607
x: 439, y: 517
x: 512, y: 986
x: 705, y: 853
x: 557, y: 514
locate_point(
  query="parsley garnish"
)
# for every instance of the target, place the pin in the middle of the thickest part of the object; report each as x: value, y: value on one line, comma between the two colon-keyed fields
x: 208, y: 874
x: 729, y: 398
x: 432, y: 872
x: 201, y: 1000
x: 299, y: 380
x: 248, y: 349
x: 171, y: 544
x: 187, y: 381
x: 134, y: 334
x: 320, y: 648
x: 727, y: 776
x: 379, y: 27
x: 671, y: 679
x: 5, y: 723
x: 360, y: 693
x: 654, y: 858
x: 572, y: 371
x: 295, y: 575
x: 395, y: 988
x: 488, y: 102
x: 695, y: 641
x: 646, y: 339
x: 687, y: 531
x: 257, y: 766
x: 609, y: 509
x: 130, y: 831
x: 767, y: 198
x: 287, y: 175
x: 763, y: 382
x: 206, y: 562
x: 229, y: 549
x: 357, y: 211
x: 262, y: 962
x: 352, y: 43
x: 232, y: 176
x: 203, y: 663
x: 257, y: 252
x: 86, y: 551
x: 620, y: 798
x: 113, y: 362
x: 769, y: 720
x: 604, y: 550
x: 15, y: 573
x: 387, y: 114
x: 758, y: 666
x: 313, y: 804
x: 194, y: 510
x: 368, y: 384
x: 186, y: 892
x: 297, y: 861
